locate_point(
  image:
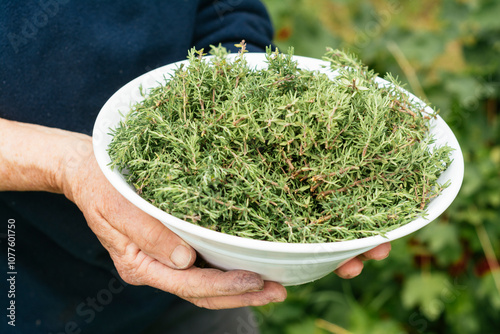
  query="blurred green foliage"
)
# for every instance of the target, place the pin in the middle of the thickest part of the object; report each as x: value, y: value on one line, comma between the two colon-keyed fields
x: 444, y: 278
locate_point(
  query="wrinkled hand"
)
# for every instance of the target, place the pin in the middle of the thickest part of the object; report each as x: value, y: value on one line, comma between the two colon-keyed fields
x: 145, y: 252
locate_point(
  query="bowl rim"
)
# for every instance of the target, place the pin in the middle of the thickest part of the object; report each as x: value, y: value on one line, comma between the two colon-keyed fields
x: 101, y: 137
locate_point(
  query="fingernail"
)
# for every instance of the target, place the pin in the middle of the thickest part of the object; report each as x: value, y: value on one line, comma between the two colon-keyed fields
x: 181, y: 257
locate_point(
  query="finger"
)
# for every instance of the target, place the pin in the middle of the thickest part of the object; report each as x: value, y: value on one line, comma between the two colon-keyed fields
x: 202, y: 283
x: 271, y: 293
x: 156, y: 240
x: 350, y: 269
x: 378, y: 253
x: 106, y: 209
x: 149, y: 234
x: 210, y: 288
x: 138, y: 268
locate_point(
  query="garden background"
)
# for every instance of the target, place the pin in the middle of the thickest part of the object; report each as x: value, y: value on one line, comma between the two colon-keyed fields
x: 444, y: 278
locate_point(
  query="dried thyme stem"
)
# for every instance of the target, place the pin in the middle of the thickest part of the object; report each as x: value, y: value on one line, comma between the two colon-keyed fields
x: 280, y: 154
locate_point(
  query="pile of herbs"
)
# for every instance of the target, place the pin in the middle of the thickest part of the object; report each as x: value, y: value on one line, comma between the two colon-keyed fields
x: 280, y: 154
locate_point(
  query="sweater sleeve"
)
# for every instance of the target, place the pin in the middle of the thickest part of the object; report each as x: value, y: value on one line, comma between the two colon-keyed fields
x: 229, y: 21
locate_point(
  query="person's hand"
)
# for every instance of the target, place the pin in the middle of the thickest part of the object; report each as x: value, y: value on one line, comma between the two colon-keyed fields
x: 354, y: 267
x: 145, y: 252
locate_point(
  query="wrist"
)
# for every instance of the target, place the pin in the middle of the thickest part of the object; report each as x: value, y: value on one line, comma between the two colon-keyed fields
x: 74, y: 165
x: 37, y: 158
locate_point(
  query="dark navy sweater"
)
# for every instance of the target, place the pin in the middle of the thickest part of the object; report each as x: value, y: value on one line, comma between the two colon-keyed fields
x: 60, y: 61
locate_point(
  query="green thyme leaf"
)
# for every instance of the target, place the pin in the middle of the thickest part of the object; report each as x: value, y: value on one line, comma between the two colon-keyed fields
x: 281, y: 154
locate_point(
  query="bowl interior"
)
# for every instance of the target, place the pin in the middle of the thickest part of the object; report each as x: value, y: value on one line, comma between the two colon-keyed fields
x: 119, y: 104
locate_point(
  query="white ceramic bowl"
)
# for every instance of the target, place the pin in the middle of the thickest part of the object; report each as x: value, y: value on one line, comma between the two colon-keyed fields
x: 289, y: 264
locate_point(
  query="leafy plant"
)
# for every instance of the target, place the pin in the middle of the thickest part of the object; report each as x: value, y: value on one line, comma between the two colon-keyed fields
x: 444, y: 278
x: 281, y: 153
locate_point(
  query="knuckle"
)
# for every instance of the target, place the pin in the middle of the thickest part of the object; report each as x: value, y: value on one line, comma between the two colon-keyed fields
x: 244, y: 281
x: 128, y: 271
x: 128, y: 276
x: 207, y: 303
x: 195, y: 286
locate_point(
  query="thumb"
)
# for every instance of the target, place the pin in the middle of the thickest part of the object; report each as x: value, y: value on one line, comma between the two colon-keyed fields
x: 118, y: 223
x: 157, y: 241
x: 151, y: 236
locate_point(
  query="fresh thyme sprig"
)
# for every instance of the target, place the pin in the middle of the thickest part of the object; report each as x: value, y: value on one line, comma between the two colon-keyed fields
x: 281, y: 154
